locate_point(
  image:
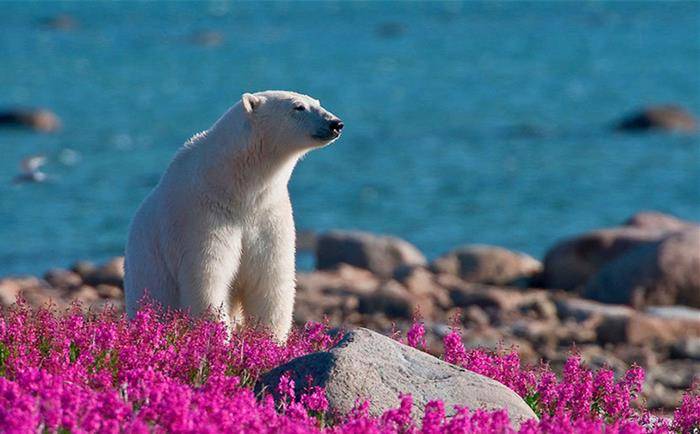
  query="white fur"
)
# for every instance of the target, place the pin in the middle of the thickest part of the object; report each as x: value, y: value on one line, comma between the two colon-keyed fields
x: 217, y: 231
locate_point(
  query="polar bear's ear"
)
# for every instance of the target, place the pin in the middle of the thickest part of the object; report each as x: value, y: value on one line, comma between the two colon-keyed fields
x: 250, y: 102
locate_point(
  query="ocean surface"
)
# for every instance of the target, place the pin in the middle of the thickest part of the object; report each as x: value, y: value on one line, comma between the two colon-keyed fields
x: 465, y: 123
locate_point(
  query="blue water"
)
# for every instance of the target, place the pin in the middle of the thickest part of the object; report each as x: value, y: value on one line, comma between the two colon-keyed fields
x: 478, y: 122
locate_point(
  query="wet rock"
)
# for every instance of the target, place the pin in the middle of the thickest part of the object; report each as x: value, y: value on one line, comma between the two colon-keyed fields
x: 487, y: 264
x: 65, y: 279
x: 379, y: 254
x: 661, y: 273
x: 570, y: 263
x: 36, y: 119
x: 367, y: 365
x: 662, y: 117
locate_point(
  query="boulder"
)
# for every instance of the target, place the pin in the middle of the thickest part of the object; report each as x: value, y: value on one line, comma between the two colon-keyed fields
x: 662, y: 273
x: 109, y: 273
x: 378, y: 254
x: 657, y: 221
x: 487, y: 297
x: 581, y: 310
x: 394, y: 300
x: 36, y: 119
x: 686, y: 348
x: 646, y: 328
x: 367, y: 365
x: 570, y: 263
x: 420, y: 282
x: 35, y: 291
x: 662, y: 117
x: 345, y: 279
x: 487, y: 264
x: 109, y: 291
x: 65, y: 279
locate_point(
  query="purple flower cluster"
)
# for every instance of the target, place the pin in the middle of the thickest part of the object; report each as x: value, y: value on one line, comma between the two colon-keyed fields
x: 167, y: 372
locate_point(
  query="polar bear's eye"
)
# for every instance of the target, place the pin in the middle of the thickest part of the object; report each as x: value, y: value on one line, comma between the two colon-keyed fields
x: 299, y: 108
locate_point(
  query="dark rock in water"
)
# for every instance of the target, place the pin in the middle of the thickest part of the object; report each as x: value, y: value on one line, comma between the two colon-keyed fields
x: 39, y: 120
x: 390, y: 30
x: 367, y: 365
x: 379, y: 254
x: 60, y: 22
x: 666, y: 272
x: 487, y: 264
x: 208, y: 38
x: 664, y: 117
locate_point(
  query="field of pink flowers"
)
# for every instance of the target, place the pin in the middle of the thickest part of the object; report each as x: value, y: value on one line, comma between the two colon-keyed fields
x: 165, y: 372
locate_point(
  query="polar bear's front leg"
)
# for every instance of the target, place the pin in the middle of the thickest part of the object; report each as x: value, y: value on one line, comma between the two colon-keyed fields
x: 267, y: 274
x: 205, y: 275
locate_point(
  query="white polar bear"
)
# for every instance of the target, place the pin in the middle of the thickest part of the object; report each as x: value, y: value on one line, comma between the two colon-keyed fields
x: 217, y: 231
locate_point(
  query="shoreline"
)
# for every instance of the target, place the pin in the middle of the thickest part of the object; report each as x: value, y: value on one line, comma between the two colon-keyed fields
x: 500, y: 299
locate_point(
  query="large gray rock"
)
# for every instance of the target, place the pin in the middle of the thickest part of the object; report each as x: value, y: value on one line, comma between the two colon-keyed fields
x: 379, y: 254
x: 487, y: 264
x: 367, y: 365
x: 663, y: 273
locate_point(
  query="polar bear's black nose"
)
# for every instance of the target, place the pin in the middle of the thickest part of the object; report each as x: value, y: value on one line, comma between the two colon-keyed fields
x: 336, y: 125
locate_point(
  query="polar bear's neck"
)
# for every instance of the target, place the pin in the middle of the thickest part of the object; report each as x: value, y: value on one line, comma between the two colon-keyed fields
x: 240, y: 165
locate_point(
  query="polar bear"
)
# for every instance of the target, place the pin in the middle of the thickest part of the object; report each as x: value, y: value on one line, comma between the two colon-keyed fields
x: 217, y: 231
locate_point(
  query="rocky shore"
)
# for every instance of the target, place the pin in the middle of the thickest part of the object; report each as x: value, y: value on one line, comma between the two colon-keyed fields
x: 620, y: 295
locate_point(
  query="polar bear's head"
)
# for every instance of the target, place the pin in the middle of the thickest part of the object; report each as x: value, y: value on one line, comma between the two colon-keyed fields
x: 295, y: 121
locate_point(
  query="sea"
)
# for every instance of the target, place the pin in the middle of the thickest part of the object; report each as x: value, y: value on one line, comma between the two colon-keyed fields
x: 465, y: 123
